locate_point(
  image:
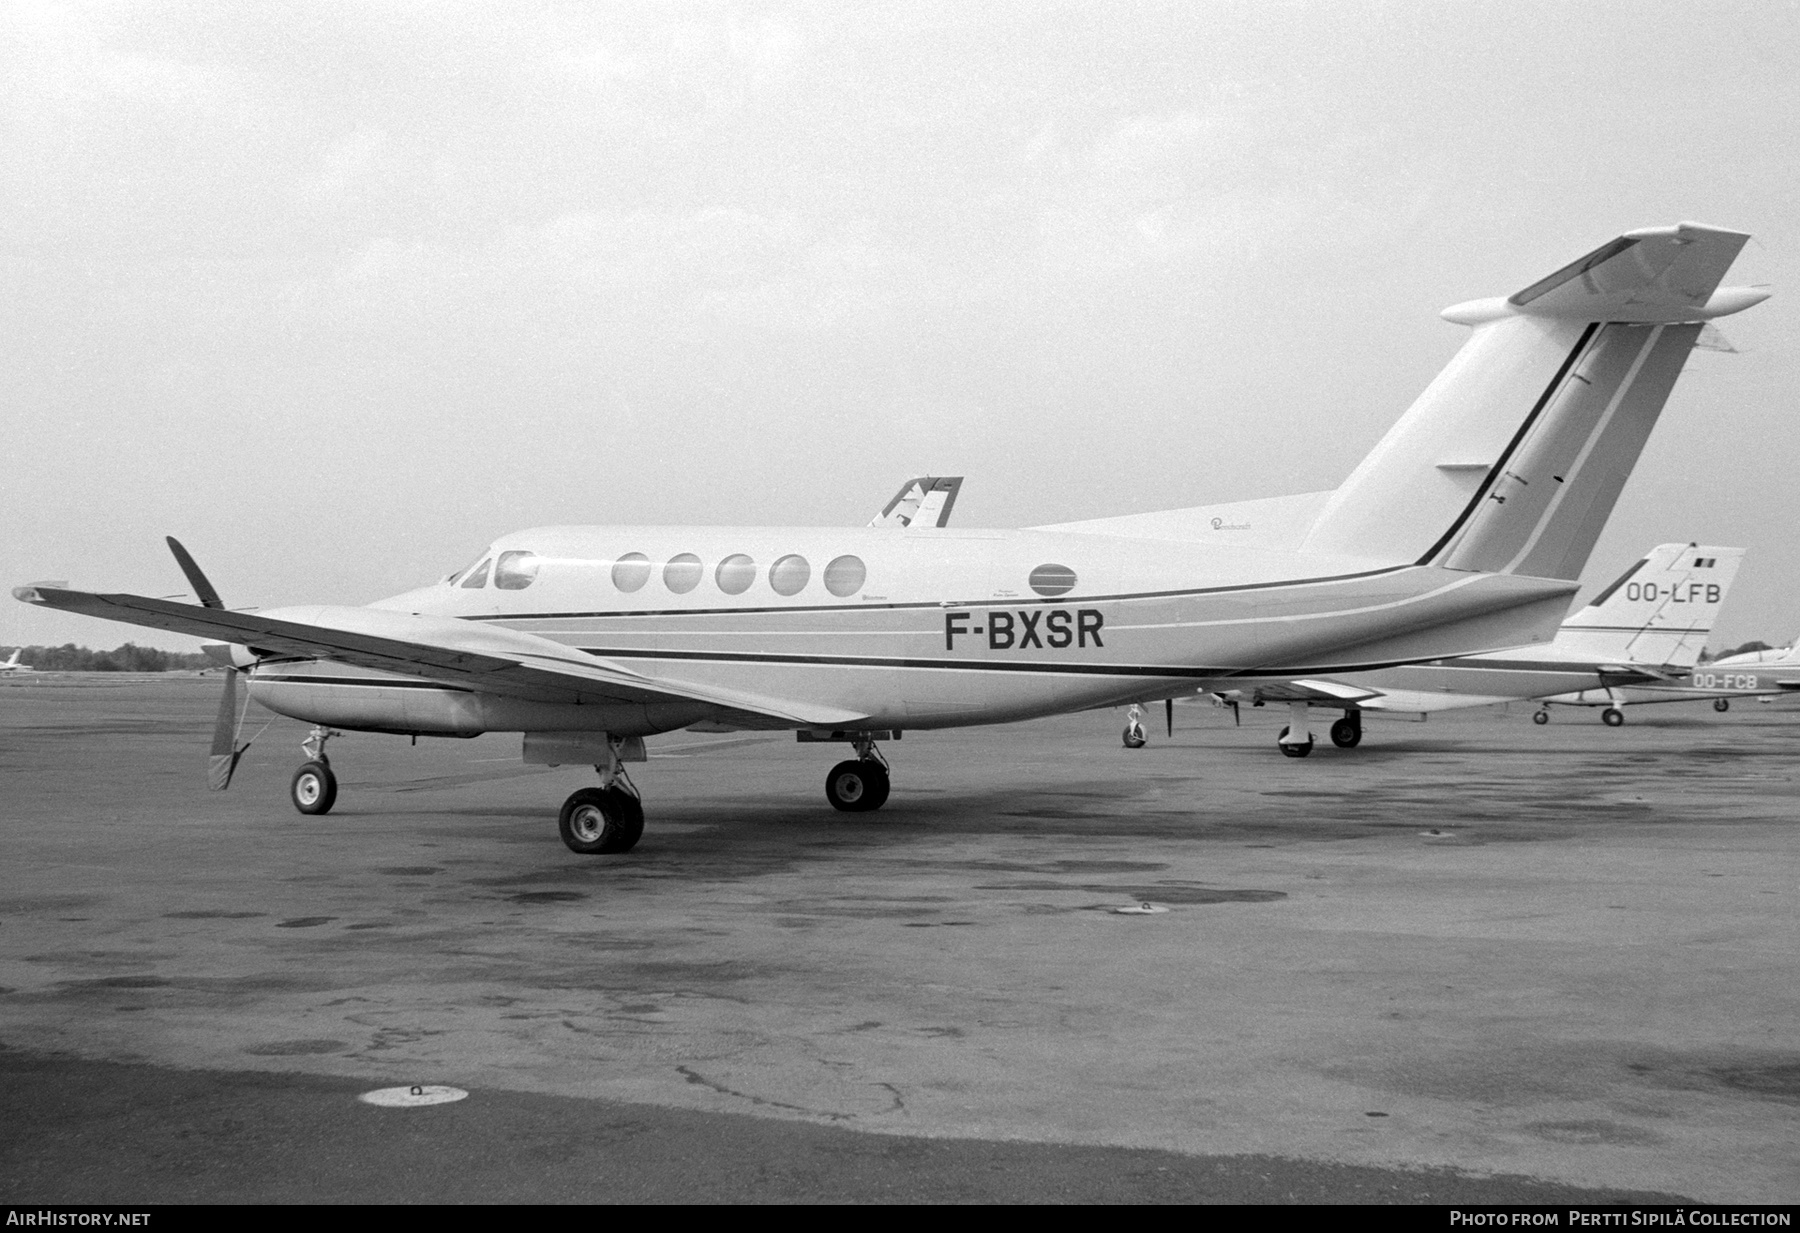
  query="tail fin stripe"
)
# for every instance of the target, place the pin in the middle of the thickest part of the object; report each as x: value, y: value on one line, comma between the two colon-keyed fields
x: 1494, y: 473
x: 1587, y: 449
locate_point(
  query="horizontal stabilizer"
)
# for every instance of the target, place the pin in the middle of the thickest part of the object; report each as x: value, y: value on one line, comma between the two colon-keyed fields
x: 1667, y: 274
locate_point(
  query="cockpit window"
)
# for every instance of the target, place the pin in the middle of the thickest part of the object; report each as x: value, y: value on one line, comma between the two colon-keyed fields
x: 514, y: 571
x: 477, y: 576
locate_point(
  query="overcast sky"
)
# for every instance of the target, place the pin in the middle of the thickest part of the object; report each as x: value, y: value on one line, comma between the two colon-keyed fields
x: 338, y: 293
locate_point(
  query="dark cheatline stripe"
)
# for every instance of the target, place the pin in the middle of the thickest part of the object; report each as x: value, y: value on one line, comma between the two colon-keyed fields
x: 1180, y: 671
x: 1487, y: 484
x: 1016, y: 601
x: 286, y: 679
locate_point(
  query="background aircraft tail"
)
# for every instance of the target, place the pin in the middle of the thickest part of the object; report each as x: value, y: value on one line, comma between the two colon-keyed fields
x: 925, y: 501
x: 1511, y: 460
x: 14, y: 661
x: 1660, y: 611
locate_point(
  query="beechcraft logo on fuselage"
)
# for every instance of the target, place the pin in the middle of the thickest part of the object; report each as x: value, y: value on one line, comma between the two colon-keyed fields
x: 1055, y: 628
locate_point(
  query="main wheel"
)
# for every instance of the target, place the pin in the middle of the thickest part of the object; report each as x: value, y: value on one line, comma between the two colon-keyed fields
x: 1540, y: 717
x: 1612, y: 717
x: 1721, y: 705
x: 1134, y: 736
x: 1292, y: 751
x: 313, y: 788
x: 857, y: 786
x: 601, y: 820
x: 1346, y: 733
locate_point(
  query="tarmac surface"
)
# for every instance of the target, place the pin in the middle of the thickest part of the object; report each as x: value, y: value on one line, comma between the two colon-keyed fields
x: 1474, y: 960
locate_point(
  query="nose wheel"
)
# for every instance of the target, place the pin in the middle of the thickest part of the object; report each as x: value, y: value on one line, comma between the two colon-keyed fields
x: 1721, y: 705
x: 313, y: 789
x: 1540, y: 717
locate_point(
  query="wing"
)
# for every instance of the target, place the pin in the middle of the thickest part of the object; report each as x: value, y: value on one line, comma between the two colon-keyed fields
x: 468, y: 653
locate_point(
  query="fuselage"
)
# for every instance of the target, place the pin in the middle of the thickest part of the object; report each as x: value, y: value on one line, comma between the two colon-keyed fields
x: 916, y: 628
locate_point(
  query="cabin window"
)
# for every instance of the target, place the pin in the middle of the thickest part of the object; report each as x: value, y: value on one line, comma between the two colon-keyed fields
x: 514, y: 571
x: 682, y: 573
x: 631, y: 571
x: 844, y: 576
x: 477, y: 576
x: 789, y: 575
x: 735, y: 574
x: 1052, y: 580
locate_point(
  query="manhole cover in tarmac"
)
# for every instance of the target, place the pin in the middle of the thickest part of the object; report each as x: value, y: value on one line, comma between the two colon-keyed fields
x: 412, y: 1097
x: 1140, y: 909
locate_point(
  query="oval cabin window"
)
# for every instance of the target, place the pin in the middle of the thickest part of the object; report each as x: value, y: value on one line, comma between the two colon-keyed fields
x: 790, y: 575
x: 631, y: 571
x: 1052, y: 580
x: 735, y: 574
x: 682, y: 573
x: 845, y: 576
x: 514, y: 571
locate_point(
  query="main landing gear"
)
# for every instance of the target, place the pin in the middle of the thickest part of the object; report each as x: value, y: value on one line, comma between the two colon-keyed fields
x: 1541, y: 715
x: 1346, y: 733
x: 1612, y: 717
x: 313, y: 788
x: 608, y: 819
x: 1721, y: 705
x: 859, y: 785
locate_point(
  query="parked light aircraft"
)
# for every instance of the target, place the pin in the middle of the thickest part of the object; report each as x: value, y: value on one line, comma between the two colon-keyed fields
x: 13, y: 667
x: 1763, y: 675
x: 1463, y: 531
x: 1648, y: 626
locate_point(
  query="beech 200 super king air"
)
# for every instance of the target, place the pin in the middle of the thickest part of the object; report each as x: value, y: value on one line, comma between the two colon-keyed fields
x: 1463, y: 531
x: 1648, y: 626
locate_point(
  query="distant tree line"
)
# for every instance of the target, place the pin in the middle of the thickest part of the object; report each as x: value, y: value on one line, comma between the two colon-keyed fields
x: 1752, y: 645
x: 129, y: 658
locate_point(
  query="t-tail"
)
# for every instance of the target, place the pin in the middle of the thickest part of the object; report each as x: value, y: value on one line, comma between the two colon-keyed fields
x: 1660, y: 611
x: 1512, y: 459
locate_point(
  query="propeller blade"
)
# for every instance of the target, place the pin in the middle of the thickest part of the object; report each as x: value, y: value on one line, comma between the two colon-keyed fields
x: 1237, y: 720
x: 203, y: 589
x: 225, y: 750
x: 1169, y: 711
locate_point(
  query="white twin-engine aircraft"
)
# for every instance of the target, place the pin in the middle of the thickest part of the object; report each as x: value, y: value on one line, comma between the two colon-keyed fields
x: 1647, y: 628
x: 1463, y: 531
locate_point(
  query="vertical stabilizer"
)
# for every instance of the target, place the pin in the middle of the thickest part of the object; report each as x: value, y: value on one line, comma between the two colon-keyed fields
x: 1660, y: 611
x: 1511, y: 460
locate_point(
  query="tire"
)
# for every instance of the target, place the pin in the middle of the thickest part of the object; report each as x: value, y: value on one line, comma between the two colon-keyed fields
x: 1134, y: 737
x: 313, y: 789
x: 857, y: 786
x: 601, y: 821
x: 1292, y: 751
x: 1346, y: 733
x: 1721, y: 705
x: 1540, y: 717
x: 1612, y: 717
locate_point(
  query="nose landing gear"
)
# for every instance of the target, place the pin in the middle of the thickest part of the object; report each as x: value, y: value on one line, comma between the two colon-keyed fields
x: 1134, y: 727
x: 313, y: 788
